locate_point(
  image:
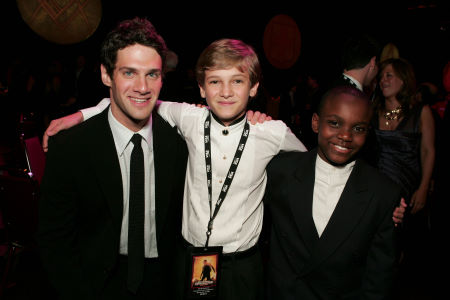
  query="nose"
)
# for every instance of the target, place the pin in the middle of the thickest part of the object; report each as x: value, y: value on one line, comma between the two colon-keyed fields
x: 141, y: 85
x: 345, y: 134
x: 226, y: 91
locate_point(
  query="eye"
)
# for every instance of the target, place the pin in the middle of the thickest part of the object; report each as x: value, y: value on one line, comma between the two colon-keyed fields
x: 213, y: 82
x: 360, y: 129
x: 238, y: 81
x: 154, y: 74
x: 128, y: 73
x: 333, y: 123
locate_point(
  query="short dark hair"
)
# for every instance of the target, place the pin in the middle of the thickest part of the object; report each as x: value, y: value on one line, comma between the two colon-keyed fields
x: 358, y: 50
x: 338, y: 90
x: 127, y: 33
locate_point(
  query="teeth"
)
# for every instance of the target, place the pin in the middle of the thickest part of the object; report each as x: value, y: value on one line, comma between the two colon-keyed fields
x: 138, y: 100
x: 341, y: 148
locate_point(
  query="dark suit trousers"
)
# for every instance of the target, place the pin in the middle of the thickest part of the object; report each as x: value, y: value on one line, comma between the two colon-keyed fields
x: 152, y: 286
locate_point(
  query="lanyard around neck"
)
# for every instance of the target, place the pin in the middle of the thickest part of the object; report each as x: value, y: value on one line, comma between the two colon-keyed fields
x: 230, y: 174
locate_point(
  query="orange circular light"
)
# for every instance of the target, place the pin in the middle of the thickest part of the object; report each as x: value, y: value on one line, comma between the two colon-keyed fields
x: 282, y: 42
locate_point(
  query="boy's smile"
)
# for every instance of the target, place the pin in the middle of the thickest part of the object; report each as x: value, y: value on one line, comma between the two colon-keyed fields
x: 227, y: 92
x: 342, y: 128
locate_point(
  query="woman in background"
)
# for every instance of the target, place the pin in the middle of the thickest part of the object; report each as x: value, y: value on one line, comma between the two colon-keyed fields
x: 405, y: 133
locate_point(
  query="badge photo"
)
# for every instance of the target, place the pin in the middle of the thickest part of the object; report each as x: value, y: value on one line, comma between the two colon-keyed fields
x: 203, y: 272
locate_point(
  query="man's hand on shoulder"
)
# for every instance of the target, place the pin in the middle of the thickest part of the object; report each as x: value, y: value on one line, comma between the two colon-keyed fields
x: 60, y: 124
x: 257, y: 117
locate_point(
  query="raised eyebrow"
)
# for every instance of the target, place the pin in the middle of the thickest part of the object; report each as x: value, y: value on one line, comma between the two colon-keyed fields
x: 239, y: 76
x: 362, y: 124
x: 135, y: 70
x: 332, y: 116
x: 127, y: 69
x: 154, y: 71
x: 212, y: 78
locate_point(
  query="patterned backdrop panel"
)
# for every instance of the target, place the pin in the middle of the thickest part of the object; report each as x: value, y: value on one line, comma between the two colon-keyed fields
x: 62, y: 21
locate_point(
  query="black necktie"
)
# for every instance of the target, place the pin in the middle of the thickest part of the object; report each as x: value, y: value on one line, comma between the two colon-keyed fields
x: 136, y: 216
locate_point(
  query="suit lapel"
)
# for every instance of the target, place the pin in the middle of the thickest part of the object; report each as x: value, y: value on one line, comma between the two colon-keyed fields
x: 301, y: 195
x: 106, y: 165
x: 349, y: 210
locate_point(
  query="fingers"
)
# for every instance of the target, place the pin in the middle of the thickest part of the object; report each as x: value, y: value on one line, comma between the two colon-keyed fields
x: 403, y: 203
x: 399, y: 212
x: 49, y: 132
x: 57, y: 125
x: 264, y: 118
x: 251, y: 117
x: 45, y: 142
x: 257, y: 117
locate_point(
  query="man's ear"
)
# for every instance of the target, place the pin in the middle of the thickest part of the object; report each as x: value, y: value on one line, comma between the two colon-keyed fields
x: 315, y: 122
x: 105, y: 76
x: 373, y: 62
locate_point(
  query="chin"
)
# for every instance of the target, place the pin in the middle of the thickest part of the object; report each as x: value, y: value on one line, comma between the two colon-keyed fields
x: 340, y: 161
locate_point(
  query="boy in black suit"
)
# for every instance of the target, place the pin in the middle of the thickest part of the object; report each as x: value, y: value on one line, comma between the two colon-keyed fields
x: 332, y: 233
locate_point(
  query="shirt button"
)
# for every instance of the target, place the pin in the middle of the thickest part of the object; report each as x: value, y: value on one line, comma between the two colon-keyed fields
x: 220, y: 181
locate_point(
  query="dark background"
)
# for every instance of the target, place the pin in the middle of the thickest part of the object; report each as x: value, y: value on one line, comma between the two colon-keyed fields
x: 419, y: 28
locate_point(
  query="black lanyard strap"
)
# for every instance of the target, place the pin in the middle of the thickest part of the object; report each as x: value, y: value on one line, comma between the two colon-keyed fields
x: 230, y: 174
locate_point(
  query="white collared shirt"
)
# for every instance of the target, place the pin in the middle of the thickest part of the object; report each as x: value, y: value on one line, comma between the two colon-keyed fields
x: 239, y: 222
x: 124, y: 147
x: 328, y: 186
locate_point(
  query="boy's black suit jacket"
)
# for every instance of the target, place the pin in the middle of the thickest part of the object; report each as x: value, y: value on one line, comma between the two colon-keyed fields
x: 355, y: 256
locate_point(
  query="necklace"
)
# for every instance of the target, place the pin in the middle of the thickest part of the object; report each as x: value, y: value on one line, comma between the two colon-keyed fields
x: 392, y: 115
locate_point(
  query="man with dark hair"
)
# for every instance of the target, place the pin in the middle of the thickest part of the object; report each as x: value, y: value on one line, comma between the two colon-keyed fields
x: 359, y: 57
x: 106, y: 229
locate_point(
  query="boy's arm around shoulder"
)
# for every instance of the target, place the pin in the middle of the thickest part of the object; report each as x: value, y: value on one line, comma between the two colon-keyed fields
x: 175, y: 112
x: 281, y: 134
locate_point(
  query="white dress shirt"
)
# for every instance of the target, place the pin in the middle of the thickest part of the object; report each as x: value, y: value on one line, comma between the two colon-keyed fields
x: 124, y: 147
x: 239, y: 222
x: 328, y: 186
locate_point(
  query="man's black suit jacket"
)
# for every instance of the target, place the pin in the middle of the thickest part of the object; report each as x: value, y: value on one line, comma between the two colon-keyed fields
x: 81, y: 204
x: 355, y: 256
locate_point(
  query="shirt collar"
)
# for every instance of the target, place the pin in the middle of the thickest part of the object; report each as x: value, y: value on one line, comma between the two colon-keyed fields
x: 122, y: 135
x: 237, y: 121
x: 356, y: 82
x: 325, y: 168
x: 235, y: 126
